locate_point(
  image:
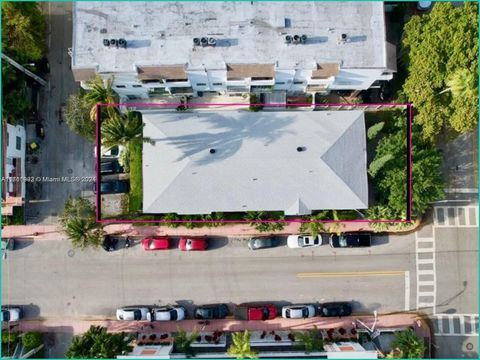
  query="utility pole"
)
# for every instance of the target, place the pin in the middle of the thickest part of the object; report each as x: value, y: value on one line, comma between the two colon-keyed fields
x: 25, y: 71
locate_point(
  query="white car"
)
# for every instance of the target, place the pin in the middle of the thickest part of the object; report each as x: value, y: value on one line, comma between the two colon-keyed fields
x: 11, y: 313
x: 169, y: 313
x: 298, y: 311
x: 113, y: 152
x: 134, y: 313
x: 303, y: 241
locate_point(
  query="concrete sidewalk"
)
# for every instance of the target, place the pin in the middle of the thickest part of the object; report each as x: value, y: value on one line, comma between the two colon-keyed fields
x: 54, y: 232
x: 80, y: 326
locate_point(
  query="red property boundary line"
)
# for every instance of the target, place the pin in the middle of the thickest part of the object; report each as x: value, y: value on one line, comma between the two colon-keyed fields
x: 407, y: 106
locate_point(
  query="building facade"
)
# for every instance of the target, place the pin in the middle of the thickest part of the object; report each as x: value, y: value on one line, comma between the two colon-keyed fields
x: 164, y: 48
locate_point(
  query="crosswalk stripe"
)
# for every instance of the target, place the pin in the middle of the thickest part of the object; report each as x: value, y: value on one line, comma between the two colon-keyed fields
x: 452, y: 319
x: 455, y: 216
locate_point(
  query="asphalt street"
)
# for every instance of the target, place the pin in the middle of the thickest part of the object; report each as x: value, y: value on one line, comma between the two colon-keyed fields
x: 52, y: 280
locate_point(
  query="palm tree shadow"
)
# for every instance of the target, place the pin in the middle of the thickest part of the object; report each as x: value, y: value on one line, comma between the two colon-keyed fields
x: 225, y: 135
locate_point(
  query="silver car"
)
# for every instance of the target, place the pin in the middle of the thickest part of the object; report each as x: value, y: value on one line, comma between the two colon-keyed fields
x: 299, y: 311
x: 169, y: 313
x: 134, y: 314
x: 11, y: 313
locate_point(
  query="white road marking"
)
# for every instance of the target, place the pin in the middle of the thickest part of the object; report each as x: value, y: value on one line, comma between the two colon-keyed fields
x: 423, y: 247
x: 461, y: 191
x: 407, y: 290
x: 461, y: 216
x: 452, y: 330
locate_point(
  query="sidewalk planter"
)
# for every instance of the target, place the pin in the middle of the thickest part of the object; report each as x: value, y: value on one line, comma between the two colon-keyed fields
x: 272, y: 338
x: 211, y: 339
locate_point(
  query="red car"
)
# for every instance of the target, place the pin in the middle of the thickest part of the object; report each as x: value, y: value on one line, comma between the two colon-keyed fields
x: 192, y: 244
x: 255, y: 312
x: 156, y: 243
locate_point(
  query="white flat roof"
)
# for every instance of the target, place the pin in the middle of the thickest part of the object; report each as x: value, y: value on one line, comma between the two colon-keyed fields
x: 161, y: 33
x: 256, y: 165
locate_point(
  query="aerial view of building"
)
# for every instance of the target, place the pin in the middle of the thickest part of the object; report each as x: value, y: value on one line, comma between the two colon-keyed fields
x: 239, y: 179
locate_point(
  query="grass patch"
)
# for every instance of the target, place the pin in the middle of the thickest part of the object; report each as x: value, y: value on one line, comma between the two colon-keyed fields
x: 136, y: 191
x: 16, y: 218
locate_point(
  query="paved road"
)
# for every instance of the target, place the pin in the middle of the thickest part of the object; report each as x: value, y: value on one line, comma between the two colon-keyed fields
x: 63, y: 153
x: 53, y: 281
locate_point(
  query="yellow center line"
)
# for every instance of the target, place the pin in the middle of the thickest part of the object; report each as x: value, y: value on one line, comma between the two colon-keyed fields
x: 350, y: 273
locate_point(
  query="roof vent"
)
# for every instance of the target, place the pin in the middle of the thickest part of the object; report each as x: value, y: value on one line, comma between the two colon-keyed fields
x: 301, y: 148
x: 343, y: 38
x: 106, y: 42
x: 122, y: 43
x: 103, y: 31
x: 213, y: 151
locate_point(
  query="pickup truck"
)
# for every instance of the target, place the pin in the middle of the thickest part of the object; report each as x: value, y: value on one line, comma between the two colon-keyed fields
x: 255, y: 312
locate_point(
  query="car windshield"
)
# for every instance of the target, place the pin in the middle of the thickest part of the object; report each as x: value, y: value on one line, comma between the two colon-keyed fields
x: 265, y: 313
x: 173, y: 314
x: 5, y: 315
x: 137, y: 315
x: 305, y: 312
x: 287, y: 313
x: 342, y: 241
x: 105, y: 186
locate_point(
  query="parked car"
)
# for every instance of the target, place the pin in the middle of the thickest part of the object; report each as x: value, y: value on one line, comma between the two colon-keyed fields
x: 169, y: 313
x: 255, y: 312
x: 109, y: 243
x: 134, y: 313
x: 298, y: 311
x: 303, y: 241
x: 113, y: 152
x: 110, y: 167
x: 215, y: 311
x: 11, y: 313
x: 335, y: 309
x: 8, y: 244
x: 114, y: 187
x: 156, y: 243
x: 350, y: 240
x: 193, y: 244
x: 262, y: 243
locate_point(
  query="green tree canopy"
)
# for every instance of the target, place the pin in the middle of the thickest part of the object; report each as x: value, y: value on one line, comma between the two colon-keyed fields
x: 101, y: 92
x: 78, y: 116
x: 442, y: 54
x: 96, y: 343
x: 389, y: 175
x: 410, y: 346
x: 23, y: 31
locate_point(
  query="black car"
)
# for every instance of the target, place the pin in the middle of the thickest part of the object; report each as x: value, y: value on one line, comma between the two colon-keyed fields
x: 335, y: 309
x: 262, y: 243
x: 110, y: 167
x: 109, y: 243
x: 350, y: 240
x: 113, y: 187
x: 216, y: 311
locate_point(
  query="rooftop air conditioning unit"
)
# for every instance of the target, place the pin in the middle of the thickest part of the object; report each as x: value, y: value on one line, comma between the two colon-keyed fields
x: 122, y: 43
x: 196, y: 41
x: 343, y: 38
x: 303, y: 39
x: 106, y: 42
x: 204, y: 41
x: 212, y: 41
x: 114, y: 42
x: 288, y: 39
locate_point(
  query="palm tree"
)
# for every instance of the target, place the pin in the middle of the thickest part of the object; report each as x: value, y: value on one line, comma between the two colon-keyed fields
x: 83, y: 232
x: 183, y: 342
x: 409, y: 344
x: 462, y: 83
x: 100, y: 93
x: 311, y: 340
x: 240, y: 347
x: 123, y: 130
